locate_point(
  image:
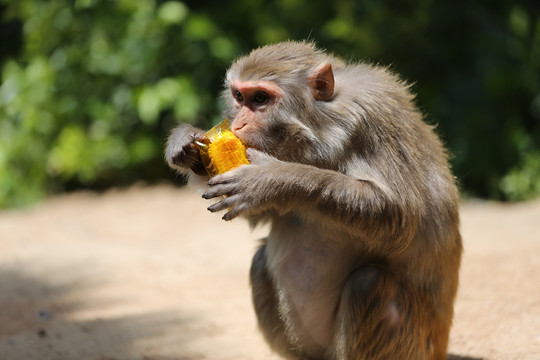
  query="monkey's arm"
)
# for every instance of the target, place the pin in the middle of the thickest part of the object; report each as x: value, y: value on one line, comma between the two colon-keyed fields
x: 363, y: 207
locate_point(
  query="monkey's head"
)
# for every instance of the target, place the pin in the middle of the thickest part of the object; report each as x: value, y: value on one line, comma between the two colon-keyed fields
x: 275, y: 99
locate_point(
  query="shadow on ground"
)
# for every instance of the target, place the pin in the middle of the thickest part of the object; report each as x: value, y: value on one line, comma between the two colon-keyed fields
x: 41, y: 319
x: 460, y: 357
x: 46, y: 321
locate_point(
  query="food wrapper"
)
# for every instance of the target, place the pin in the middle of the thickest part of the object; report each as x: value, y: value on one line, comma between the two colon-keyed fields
x: 221, y: 150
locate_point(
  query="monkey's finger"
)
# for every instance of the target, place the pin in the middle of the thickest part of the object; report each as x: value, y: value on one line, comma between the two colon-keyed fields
x: 221, y: 179
x: 219, y: 190
x: 200, y: 137
x: 226, y: 203
x: 190, y: 149
x: 234, y: 212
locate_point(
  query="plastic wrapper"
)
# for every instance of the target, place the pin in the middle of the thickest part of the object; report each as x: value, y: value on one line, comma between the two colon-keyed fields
x: 221, y: 150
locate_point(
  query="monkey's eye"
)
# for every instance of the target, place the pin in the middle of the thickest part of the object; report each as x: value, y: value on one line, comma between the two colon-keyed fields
x: 261, y: 97
x: 238, y: 95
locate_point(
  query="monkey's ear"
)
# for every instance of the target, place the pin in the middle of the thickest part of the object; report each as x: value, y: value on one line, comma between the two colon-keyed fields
x: 321, y: 82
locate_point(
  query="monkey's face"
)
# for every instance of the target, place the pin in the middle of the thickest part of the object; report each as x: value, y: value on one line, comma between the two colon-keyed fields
x: 252, y: 108
x: 275, y: 111
x: 267, y: 117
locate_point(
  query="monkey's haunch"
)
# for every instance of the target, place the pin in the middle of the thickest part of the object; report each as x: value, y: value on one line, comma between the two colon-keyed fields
x: 221, y: 150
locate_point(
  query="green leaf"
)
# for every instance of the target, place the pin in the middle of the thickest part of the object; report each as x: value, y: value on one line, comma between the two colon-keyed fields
x: 172, y: 12
x: 149, y: 105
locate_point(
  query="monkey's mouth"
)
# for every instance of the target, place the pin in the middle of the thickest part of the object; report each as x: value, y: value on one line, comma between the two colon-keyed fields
x: 238, y: 127
x: 241, y: 127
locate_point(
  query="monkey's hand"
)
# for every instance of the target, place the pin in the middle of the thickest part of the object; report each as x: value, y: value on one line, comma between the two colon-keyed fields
x: 249, y: 189
x: 182, y: 153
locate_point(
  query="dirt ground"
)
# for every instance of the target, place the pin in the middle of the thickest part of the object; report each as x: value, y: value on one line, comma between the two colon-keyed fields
x: 147, y: 273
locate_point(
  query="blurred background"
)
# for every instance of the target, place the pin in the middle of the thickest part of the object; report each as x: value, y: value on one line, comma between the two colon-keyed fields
x: 91, y: 88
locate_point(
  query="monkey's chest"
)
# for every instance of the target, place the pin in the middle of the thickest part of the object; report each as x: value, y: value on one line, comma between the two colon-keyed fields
x: 309, y: 272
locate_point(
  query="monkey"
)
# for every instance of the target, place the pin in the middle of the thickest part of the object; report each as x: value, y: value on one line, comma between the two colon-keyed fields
x: 362, y: 257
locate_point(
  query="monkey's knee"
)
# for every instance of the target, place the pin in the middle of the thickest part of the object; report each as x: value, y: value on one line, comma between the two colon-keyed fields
x: 266, y: 304
x: 368, y: 314
x: 258, y: 269
x: 378, y: 318
x: 263, y: 291
x: 366, y: 284
x: 372, y: 293
x: 363, y: 280
x: 264, y: 294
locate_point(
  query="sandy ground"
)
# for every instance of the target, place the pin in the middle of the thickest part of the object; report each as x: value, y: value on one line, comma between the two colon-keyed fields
x: 148, y: 273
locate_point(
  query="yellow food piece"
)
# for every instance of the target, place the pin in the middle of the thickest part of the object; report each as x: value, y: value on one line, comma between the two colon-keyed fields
x: 227, y: 152
x: 221, y: 150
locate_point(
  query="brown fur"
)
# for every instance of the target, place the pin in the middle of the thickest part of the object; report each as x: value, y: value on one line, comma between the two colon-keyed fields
x: 364, y: 250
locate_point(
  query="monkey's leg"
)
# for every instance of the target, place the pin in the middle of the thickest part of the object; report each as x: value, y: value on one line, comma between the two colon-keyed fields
x: 378, y: 319
x: 265, y: 301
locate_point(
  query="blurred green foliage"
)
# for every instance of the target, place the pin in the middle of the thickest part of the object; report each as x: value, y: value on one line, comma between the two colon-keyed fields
x: 90, y: 88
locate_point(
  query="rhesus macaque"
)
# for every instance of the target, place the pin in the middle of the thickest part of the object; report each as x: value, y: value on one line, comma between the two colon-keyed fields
x: 362, y: 258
